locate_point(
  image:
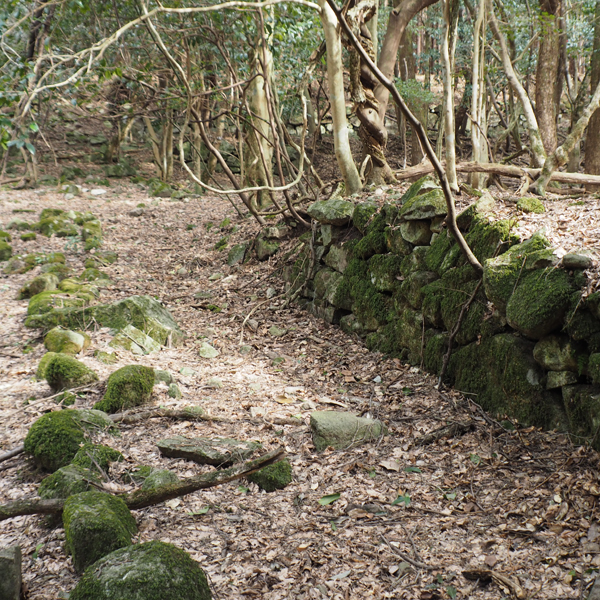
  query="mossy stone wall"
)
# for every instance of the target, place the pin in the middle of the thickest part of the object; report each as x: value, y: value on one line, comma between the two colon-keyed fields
x: 528, y: 346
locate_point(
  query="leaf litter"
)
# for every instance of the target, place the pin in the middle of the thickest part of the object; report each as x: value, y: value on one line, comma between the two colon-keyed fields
x: 481, y: 511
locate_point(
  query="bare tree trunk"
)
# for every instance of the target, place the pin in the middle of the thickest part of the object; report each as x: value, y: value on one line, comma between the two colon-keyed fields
x: 335, y: 78
x: 538, y: 153
x: 372, y: 131
x: 447, y: 117
x: 546, y: 82
x: 478, y: 96
x: 592, y: 147
x: 259, y: 156
x: 400, y: 17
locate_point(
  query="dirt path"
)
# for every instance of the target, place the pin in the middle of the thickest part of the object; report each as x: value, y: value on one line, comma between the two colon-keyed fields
x: 521, y: 503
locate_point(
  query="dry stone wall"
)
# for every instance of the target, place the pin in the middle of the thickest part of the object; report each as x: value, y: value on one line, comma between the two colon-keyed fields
x: 528, y: 343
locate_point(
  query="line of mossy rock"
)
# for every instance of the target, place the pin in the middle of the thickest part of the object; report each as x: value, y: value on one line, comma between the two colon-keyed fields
x: 56, y: 437
x: 143, y: 312
x: 396, y: 277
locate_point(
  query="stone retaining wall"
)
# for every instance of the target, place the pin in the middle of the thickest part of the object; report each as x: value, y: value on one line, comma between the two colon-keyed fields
x: 528, y: 345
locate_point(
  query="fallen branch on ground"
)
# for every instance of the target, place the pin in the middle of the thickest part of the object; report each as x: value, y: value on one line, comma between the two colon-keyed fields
x: 184, y: 414
x: 143, y: 498
x: 499, y: 169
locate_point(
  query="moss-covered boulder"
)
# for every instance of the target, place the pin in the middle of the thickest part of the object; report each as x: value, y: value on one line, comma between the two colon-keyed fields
x: 95, y: 525
x: 93, y: 274
x: 363, y: 215
x: 128, y: 386
x: 458, y: 286
x: 5, y: 250
x: 54, y: 439
x: 64, y: 372
x: 43, y: 364
x: 148, y: 571
x: 559, y: 353
x: 274, y: 477
x: 66, y: 341
x: 5, y: 236
x: 68, y: 480
x: 443, y: 254
x: 342, y: 430
x: 540, y: 302
x: 333, y: 212
x: 96, y: 456
x: 159, y: 478
x: 529, y: 204
x: 101, y: 258
x: 45, y: 282
x: 47, y: 302
x: 427, y: 205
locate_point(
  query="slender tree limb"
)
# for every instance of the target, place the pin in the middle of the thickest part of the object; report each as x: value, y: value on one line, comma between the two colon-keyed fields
x: 143, y: 498
x: 14, y: 452
x: 421, y: 134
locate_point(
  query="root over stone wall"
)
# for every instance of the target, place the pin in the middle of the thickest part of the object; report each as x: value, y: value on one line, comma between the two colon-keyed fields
x: 527, y: 347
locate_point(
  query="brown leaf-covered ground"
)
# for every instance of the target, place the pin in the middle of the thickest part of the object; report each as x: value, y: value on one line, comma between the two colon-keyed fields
x: 521, y: 503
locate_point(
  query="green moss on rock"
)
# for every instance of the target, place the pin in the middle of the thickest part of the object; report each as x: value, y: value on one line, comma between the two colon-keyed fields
x: 274, y: 477
x: 149, y: 571
x: 540, y: 302
x: 54, y: 439
x: 506, y: 379
x: 5, y: 250
x: 459, y: 284
x: 94, y: 456
x: 582, y: 403
x: 66, y: 341
x: 64, y: 372
x: 159, y: 478
x: 529, y: 204
x: 442, y: 255
x: 58, y: 269
x: 45, y: 282
x: 363, y: 214
x: 128, y: 386
x: 384, y: 271
x: 68, y: 480
x: 96, y: 524
x: 413, y: 287
x: 43, y: 364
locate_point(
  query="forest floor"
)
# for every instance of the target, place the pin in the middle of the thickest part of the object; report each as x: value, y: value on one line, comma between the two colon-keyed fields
x: 515, y: 508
